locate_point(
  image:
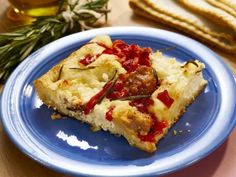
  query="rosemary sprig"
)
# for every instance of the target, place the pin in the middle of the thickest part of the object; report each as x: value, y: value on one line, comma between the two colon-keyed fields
x: 83, y: 69
x: 190, y: 61
x: 135, y: 97
x: 60, y: 71
x: 155, y: 75
x: 72, y: 16
x: 167, y: 48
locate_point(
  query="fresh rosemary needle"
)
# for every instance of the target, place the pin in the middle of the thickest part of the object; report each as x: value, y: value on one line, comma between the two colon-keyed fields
x: 73, y: 16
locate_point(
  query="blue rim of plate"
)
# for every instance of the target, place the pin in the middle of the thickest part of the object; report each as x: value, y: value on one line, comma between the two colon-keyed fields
x: 215, y: 135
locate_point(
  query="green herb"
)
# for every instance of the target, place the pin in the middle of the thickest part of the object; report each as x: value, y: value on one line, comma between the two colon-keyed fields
x: 72, y: 16
x: 82, y: 69
x: 59, y: 74
x: 134, y: 97
x: 155, y: 75
x: 190, y: 61
x: 167, y: 48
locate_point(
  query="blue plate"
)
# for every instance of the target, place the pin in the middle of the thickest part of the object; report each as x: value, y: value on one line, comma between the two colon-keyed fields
x: 69, y: 146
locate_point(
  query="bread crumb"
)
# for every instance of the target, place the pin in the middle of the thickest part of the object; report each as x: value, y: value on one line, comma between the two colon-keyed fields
x: 174, y: 132
x: 94, y: 128
x: 55, y: 116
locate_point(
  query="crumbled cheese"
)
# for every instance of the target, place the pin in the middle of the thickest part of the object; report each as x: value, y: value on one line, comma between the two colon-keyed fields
x: 105, y: 77
x: 180, y: 131
x: 189, y: 130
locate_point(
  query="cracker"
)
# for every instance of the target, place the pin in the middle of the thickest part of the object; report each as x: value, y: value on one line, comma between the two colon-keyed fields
x: 224, y: 6
x: 230, y: 3
x: 186, y: 22
x: 211, y: 12
x: 173, y: 9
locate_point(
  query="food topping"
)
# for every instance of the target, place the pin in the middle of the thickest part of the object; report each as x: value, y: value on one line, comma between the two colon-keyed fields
x: 134, y: 97
x: 136, y: 85
x: 59, y: 74
x: 96, y: 99
x: 118, y: 91
x: 109, y: 113
x: 84, y: 69
x: 142, y: 104
x: 165, y: 98
x: 87, y: 59
x: 130, y: 56
x: 140, y: 83
x: 157, y: 128
x: 190, y: 61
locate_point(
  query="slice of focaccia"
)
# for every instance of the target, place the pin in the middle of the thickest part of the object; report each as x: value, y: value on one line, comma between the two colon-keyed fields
x: 122, y: 88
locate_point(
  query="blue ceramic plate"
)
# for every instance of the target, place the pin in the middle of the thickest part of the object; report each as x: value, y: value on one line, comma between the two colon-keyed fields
x: 69, y: 146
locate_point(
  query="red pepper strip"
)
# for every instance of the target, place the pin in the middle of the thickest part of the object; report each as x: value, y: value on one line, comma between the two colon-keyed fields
x: 96, y: 98
x: 165, y: 98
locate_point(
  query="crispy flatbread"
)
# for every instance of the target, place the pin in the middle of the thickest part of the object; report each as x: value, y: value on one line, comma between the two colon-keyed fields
x: 171, y: 13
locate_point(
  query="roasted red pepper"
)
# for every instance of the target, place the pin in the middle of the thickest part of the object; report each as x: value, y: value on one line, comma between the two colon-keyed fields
x: 157, y: 127
x: 165, y: 98
x: 96, y: 98
x: 131, y: 56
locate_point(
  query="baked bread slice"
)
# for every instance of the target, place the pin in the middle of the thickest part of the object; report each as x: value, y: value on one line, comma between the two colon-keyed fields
x: 125, y: 89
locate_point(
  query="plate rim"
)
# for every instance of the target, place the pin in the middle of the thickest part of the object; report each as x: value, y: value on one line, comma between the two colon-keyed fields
x: 112, y: 30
